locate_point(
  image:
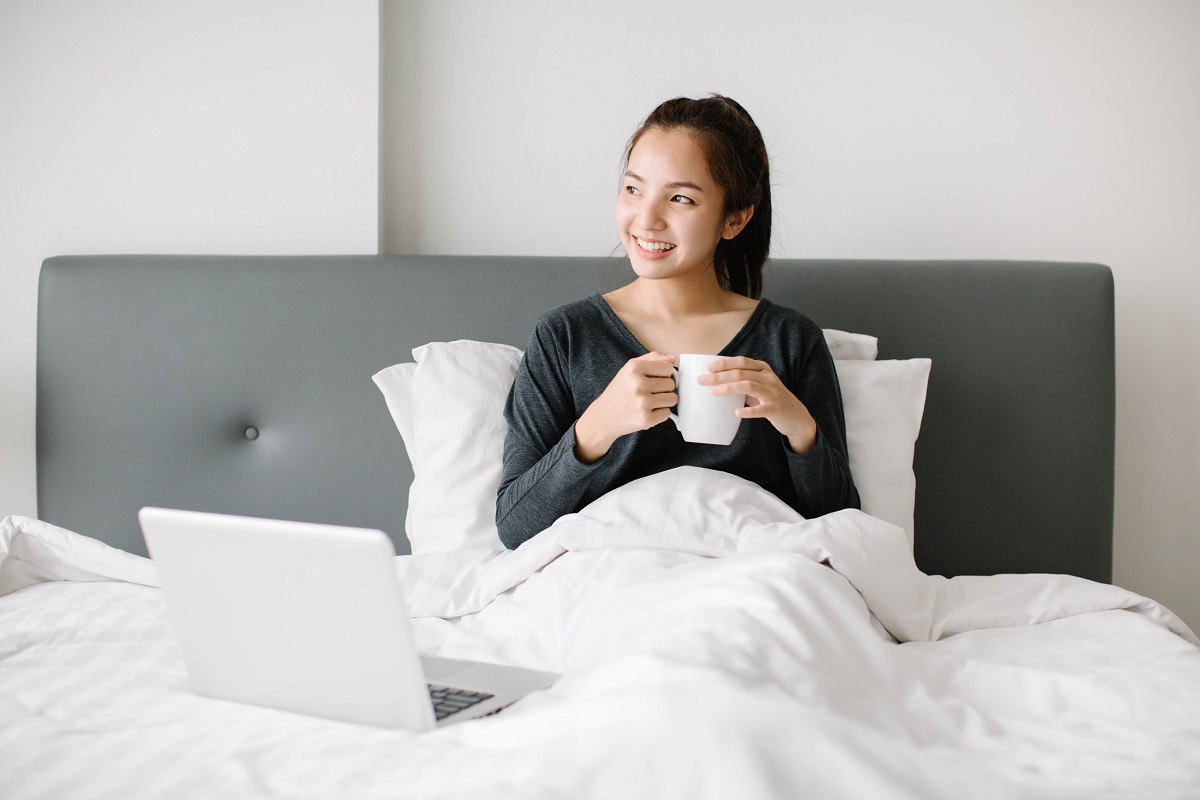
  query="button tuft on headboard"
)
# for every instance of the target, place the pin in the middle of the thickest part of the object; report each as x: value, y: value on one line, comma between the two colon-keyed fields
x: 251, y: 433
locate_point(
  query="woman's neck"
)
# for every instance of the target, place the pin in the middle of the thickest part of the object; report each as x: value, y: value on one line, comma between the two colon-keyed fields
x: 669, y: 300
x: 669, y: 316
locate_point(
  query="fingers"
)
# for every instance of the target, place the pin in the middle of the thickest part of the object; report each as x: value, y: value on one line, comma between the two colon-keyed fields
x: 656, y: 393
x: 649, y: 389
x: 754, y: 383
x: 652, y: 365
x: 650, y: 376
x: 649, y: 410
x: 755, y: 379
x: 736, y: 368
x: 746, y: 387
x: 737, y: 362
x: 728, y: 376
x: 659, y: 385
x: 767, y: 397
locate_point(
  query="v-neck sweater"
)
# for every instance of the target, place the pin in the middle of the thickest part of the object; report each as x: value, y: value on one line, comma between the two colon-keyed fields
x: 574, y: 353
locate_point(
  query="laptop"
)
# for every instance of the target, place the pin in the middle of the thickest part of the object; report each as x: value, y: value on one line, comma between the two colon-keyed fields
x: 310, y: 618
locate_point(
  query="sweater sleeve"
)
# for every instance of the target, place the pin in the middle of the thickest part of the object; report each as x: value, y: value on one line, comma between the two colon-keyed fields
x: 822, y: 476
x: 543, y: 479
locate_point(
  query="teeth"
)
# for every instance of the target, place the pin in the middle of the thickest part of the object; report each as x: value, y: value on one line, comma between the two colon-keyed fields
x: 654, y: 247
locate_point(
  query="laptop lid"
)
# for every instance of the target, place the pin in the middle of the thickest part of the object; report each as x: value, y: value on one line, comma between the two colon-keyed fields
x: 295, y: 616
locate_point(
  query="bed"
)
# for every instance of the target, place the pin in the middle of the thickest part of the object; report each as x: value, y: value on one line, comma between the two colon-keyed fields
x: 957, y: 637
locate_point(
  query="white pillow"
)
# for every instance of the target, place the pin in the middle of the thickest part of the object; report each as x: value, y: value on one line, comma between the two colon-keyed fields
x: 851, y: 346
x: 454, y: 439
x: 453, y: 430
x: 396, y: 383
x: 884, y: 402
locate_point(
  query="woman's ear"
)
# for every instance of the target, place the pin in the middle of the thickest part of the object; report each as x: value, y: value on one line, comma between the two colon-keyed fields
x: 736, y: 221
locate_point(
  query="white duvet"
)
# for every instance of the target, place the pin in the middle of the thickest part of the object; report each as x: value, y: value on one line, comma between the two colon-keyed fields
x: 712, y: 644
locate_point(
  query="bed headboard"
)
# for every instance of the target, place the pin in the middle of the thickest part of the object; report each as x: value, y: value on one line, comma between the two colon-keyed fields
x: 243, y: 385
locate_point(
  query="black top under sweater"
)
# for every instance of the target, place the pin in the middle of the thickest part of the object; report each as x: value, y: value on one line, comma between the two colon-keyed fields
x: 572, y: 356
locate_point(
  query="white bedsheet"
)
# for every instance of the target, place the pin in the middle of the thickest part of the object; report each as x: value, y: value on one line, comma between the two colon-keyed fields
x: 712, y: 644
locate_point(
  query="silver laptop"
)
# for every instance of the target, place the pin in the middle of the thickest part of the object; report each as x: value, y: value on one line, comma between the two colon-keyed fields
x: 310, y: 618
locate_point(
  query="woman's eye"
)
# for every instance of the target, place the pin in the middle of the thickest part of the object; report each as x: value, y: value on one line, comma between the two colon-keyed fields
x: 631, y: 190
x: 681, y: 199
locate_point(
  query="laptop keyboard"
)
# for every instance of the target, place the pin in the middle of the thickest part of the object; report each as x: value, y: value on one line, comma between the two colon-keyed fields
x: 448, y: 700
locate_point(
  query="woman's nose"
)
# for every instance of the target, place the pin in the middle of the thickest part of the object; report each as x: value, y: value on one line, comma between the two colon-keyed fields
x: 651, y: 216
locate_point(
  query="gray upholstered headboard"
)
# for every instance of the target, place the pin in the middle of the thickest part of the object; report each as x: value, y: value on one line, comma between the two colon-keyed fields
x: 243, y: 385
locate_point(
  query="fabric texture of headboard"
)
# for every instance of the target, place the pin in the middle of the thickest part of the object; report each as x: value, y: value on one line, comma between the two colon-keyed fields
x: 243, y: 385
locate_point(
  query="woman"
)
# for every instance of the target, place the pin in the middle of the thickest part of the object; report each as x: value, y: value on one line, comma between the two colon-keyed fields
x: 586, y: 409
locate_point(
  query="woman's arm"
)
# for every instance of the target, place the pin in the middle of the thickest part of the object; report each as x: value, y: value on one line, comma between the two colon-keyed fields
x: 822, y: 475
x: 543, y: 479
x: 809, y: 418
x: 552, y: 460
x: 640, y: 396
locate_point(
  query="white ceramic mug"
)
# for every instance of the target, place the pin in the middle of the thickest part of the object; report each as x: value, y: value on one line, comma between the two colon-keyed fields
x: 702, y: 417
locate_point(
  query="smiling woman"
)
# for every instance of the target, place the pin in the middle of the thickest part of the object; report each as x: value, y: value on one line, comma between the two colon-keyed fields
x: 716, y: 143
x: 672, y: 191
x: 598, y: 380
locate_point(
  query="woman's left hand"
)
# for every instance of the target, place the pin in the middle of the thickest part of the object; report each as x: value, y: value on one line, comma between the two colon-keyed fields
x: 766, y: 397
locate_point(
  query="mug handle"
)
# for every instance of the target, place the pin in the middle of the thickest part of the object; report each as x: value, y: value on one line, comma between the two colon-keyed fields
x: 674, y: 416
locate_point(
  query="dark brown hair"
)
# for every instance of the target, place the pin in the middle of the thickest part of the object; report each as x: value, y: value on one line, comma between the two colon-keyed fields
x: 737, y: 160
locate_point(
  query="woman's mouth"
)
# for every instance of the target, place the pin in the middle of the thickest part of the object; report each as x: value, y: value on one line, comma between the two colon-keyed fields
x: 653, y: 248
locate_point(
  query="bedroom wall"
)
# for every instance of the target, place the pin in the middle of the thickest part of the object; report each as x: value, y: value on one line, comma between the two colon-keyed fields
x: 1010, y: 129
x: 182, y: 127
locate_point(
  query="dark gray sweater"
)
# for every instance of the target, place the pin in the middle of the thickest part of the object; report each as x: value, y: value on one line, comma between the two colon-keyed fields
x: 572, y: 356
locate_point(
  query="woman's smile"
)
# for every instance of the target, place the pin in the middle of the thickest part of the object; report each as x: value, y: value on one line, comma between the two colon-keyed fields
x: 652, y: 249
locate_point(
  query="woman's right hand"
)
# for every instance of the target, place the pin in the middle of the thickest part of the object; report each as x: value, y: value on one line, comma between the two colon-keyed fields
x: 638, y: 397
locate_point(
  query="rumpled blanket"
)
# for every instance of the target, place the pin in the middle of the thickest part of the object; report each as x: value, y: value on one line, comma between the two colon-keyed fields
x: 711, y: 644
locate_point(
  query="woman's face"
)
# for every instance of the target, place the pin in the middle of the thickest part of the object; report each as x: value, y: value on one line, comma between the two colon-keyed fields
x: 670, y: 212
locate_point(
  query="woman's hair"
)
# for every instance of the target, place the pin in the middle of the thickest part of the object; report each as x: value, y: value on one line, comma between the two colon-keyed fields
x: 737, y: 160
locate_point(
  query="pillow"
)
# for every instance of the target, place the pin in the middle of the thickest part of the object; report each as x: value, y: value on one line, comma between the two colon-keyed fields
x: 884, y: 402
x: 851, y: 346
x: 454, y: 438
x: 453, y: 431
x: 396, y: 383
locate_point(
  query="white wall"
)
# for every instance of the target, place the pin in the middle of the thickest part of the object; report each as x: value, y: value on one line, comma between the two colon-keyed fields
x: 1041, y: 129
x: 192, y: 126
